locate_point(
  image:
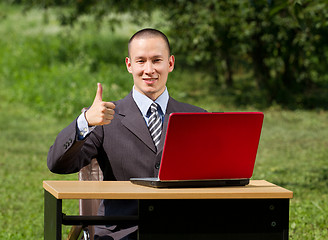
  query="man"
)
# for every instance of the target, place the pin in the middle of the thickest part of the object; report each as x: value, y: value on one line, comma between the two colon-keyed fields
x: 120, y: 134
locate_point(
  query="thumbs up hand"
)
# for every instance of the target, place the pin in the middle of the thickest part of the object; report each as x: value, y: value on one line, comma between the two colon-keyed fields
x: 100, y: 112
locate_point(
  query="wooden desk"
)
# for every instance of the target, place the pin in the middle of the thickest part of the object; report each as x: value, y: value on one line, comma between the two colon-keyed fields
x: 257, y: 211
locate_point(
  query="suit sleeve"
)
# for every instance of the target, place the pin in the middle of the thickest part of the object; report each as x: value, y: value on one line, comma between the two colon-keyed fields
x: 68, y: 154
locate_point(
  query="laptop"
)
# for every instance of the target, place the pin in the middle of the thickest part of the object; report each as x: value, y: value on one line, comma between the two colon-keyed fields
x: 208, y: 150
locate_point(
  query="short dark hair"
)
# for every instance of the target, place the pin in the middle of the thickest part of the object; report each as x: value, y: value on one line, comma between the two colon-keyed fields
x: 148, y: 33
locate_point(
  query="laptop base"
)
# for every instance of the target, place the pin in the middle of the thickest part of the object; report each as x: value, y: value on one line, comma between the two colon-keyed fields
x: 156, y: 183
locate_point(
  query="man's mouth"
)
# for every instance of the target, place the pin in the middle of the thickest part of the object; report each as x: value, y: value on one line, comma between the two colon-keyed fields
x: 149, y: 80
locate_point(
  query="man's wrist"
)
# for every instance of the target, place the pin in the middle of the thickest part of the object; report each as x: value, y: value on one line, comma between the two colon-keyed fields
x: 83, y: 128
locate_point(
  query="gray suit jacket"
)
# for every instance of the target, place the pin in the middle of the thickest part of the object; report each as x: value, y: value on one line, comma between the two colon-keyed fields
x: 124, y: 149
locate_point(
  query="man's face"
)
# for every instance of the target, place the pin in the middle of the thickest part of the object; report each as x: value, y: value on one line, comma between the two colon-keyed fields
x: 149, y: 63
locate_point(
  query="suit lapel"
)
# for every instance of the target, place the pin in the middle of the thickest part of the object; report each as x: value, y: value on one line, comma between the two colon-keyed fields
x: 133, y: 120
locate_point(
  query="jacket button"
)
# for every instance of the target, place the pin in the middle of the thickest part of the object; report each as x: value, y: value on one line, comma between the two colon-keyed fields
x: 157, y: 165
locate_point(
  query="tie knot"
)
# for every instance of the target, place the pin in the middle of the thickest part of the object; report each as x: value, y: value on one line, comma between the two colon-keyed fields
x: 153, y: 107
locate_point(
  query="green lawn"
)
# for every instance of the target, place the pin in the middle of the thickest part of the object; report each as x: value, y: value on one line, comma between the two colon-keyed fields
x: 25, y: 139
x: 47, y: 77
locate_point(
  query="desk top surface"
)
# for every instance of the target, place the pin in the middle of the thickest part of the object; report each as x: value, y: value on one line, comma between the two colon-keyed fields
x: 126, y: 190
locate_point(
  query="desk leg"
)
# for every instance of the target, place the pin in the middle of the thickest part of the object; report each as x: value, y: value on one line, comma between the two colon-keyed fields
x: 227, y: 219
x: 52, y: 217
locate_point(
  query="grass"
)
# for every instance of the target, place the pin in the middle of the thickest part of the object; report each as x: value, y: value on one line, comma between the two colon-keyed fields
x: 25, y: 139
x: 48, y: 73
x: 293, y: 153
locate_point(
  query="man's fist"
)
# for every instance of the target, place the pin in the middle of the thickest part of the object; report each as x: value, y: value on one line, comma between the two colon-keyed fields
x: 100, y: 113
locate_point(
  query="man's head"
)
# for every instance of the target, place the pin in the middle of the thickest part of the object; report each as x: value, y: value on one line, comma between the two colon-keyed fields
x: 150, y: 33
x: 149, y: 62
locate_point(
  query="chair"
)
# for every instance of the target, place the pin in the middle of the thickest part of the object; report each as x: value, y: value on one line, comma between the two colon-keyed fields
x: 88, y: 207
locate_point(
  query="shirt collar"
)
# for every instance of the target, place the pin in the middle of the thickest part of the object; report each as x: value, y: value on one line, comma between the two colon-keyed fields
x: 143, y: 102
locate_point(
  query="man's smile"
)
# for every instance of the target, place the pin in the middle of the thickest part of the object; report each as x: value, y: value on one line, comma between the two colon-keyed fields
x: 149, y: 80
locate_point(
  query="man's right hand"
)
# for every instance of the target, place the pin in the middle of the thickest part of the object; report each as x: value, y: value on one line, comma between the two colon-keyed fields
x: 100, y: 113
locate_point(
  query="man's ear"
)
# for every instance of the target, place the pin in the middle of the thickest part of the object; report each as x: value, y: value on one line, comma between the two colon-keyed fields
x: 128, y: 64
x: 171, y: 63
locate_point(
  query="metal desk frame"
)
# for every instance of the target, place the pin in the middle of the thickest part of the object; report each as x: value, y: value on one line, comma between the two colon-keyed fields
x: 257, y: 211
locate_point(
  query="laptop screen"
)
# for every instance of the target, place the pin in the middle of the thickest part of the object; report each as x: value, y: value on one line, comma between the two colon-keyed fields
x: 204, y: 146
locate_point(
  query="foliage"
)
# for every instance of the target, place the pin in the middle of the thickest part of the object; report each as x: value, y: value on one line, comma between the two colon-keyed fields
x: 280, y: 45
x: 47, y: 65
x: 283, y: 44
x: 55, y: 69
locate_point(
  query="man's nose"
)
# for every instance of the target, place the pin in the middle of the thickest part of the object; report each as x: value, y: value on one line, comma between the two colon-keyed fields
x: 149, y: 68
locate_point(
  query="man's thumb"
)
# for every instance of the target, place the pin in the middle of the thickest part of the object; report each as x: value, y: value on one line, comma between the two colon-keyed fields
x: 99, y: 92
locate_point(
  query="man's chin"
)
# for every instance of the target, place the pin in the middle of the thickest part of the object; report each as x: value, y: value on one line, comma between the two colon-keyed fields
x: 152, y: 93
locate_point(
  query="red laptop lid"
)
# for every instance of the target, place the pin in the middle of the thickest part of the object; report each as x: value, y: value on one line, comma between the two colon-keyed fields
x: 201, y: 146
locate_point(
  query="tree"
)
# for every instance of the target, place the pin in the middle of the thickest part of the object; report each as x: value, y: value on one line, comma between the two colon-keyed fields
x: 207, y: 32
x: 285, y: 47
x: 282, y: 44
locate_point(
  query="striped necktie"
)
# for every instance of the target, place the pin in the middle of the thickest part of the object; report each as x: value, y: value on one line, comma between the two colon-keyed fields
x: 155, y: 124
